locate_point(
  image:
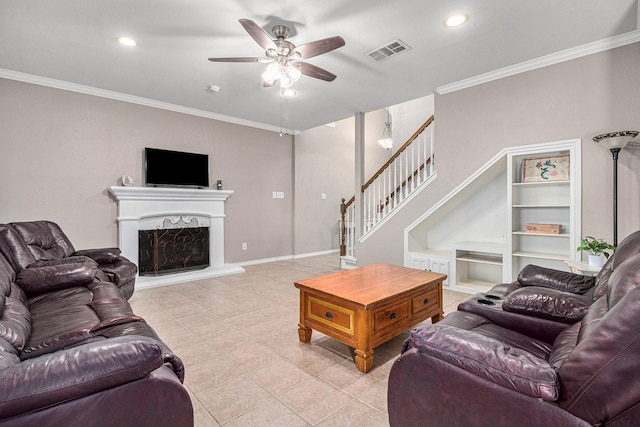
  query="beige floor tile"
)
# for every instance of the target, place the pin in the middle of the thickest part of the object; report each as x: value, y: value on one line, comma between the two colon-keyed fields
x: 346, y: 377
x: 233, y: 398
x: 271, y: 414
x: 280, y: 376
x: 376, y: 396
x: 203, y: 377
x: 315, y: 359
x: 356, y: 414
x: 315, y: 400
x: 252, y: 356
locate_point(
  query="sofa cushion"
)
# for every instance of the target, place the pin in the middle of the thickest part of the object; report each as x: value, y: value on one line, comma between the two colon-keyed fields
x: 547, y: 303
x: 63, y: 318
x: 44, y: 239
x: 534, y: 275
x: 36, y: 280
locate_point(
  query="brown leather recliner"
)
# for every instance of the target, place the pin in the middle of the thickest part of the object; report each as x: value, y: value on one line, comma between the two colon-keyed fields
x: 468, y: 371
x: 543, y: 301
x: 38, y: 243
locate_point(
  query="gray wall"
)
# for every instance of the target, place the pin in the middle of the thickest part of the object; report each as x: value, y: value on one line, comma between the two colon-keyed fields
x: 61, y: 151
x: 576, y: 99
x: 324, y: 162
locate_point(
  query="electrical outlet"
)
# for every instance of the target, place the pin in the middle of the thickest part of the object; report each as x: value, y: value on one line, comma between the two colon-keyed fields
x: 244, y: 246
x: 280, y: 194
x: 323, y: 196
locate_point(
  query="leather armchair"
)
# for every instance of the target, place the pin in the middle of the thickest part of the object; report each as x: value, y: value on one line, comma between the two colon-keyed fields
x: 469, y: 371
x: 43, y: 243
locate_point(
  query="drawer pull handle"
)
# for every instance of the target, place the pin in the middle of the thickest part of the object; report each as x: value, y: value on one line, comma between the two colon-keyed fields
x: 426, y: 301
x: 393, y: 316
x: 329, y: 315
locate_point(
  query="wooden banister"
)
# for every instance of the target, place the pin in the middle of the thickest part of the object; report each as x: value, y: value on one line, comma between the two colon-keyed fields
x: 343, y: 210
x: 397, y: 153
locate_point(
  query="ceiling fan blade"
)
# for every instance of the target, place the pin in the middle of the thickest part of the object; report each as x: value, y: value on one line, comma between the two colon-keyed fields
x: 318, y: 47
x: 258, y: 34
x: 315, y: 72
x: 237, y: 59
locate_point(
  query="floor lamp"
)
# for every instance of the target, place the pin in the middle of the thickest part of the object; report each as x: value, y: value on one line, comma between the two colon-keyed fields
x: 614, y: 142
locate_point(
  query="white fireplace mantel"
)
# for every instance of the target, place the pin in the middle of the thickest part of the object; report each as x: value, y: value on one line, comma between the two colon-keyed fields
x: 144, y: 208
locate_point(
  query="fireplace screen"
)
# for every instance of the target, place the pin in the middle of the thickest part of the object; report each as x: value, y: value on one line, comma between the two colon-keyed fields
x: 173, y: 250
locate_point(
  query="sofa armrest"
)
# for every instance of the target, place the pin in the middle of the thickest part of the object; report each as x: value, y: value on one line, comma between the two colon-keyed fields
x: 101, y: 255
x: 546, y: 303
x: 64, y: 261
x: 37, y: 280
x: 534, y: 275
x: 76, y: 372
x: 488, y: 358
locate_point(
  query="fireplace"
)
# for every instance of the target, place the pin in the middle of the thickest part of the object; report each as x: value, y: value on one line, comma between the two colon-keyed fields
x: 145, y: 209
x: 176, y: 247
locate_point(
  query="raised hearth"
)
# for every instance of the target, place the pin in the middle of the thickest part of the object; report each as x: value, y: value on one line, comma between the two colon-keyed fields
x: 147, y: 208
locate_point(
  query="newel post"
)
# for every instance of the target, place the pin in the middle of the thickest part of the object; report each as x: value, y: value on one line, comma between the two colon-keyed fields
x: 343, y: 245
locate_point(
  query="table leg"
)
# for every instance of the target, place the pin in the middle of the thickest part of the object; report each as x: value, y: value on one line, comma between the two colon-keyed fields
x: 364, y: 360
x: 438, y: 317
x: 304, y: 333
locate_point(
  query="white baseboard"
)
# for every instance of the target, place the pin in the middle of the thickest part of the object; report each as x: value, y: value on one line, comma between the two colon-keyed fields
x: 287, y: 257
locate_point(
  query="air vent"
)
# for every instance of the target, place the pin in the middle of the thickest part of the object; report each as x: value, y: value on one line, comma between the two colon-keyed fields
x: 388, y: 50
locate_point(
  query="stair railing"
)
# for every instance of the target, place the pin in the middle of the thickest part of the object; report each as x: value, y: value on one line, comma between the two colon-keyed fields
x: 401, y: 175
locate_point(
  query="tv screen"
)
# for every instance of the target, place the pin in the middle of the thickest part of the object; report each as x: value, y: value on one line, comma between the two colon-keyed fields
x: 166, y: 168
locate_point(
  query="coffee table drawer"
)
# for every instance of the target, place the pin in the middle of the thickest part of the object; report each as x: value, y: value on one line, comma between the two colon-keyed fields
x: 425, y: 301
x: 331, y: 315
x: 390, y: 315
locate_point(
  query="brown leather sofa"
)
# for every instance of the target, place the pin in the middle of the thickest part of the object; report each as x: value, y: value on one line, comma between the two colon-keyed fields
x: 470, y: 371
x: 73, y: 353
x: 31, y: 243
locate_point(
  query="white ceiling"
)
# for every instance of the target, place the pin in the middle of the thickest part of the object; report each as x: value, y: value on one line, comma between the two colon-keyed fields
x: 74, y: 41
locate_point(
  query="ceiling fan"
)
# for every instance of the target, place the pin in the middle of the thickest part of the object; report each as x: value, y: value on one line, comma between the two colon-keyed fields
x: 285, y: 58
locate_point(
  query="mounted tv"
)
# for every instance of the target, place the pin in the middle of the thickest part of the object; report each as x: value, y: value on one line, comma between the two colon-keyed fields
x: 166, y: 168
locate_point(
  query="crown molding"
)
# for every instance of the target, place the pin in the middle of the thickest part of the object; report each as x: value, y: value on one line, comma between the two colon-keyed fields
x: 544, y: 61
x: 103, y: 93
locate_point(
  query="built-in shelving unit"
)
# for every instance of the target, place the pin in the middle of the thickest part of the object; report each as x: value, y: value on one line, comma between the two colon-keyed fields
x: 477, y: 234
x: 543, y: 202
x: 479, y: 265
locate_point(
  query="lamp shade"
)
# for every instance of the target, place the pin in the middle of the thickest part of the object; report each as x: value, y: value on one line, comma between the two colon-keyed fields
x: 614, y: 140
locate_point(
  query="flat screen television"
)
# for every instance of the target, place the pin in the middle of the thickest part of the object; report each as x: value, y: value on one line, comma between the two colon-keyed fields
x: 166, y: 168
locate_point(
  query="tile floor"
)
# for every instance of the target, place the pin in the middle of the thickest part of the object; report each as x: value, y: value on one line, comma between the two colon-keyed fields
x: 245, y: 366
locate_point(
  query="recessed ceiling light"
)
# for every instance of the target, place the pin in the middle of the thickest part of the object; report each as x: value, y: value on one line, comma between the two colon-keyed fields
x: 455, y: 20
x: 127, y: 41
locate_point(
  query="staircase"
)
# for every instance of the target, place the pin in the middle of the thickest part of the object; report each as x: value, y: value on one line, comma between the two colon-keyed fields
x: 394, y: 184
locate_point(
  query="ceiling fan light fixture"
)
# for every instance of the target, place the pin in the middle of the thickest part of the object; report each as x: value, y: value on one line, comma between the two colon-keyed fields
x: 271, y: 74
x: 456, y: 20
x: 289, y: 75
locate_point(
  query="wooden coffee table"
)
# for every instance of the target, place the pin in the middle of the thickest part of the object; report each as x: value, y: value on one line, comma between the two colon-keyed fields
x: 368, y: 306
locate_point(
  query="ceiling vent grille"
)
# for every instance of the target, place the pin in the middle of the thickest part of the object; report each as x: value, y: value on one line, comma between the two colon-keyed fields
x: 388, y: 50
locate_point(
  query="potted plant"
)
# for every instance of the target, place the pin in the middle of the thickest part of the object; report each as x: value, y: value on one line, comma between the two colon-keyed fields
x: 597, y: 249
